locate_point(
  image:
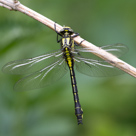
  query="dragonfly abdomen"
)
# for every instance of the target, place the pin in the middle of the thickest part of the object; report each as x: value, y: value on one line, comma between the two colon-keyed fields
x: 70, y: 63
x: 78, y: 109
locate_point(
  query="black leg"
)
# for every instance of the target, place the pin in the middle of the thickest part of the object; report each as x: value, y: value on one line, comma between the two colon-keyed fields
x: 75, y: 35
x: 55, y: 28
x: 58, y: 40
x: 79, y: 43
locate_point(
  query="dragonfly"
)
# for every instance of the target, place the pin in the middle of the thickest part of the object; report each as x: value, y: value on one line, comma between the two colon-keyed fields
x: 47, y: 68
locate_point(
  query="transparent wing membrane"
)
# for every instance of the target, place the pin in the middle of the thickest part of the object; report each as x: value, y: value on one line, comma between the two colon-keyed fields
x: 42, y: 70
x: 116, y: 49
x: 27, y: 66
x: 95, y: 68
x: 42, y: 78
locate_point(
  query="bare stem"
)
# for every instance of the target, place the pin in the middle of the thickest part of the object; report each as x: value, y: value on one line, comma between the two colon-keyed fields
x: 113, y: 60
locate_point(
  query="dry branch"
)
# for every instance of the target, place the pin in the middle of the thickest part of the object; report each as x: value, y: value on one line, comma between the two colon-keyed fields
x: 113, y: 60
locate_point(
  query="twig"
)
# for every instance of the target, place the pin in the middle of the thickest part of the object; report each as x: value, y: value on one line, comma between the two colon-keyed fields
x: 5, y: 6
x: 113, y: 60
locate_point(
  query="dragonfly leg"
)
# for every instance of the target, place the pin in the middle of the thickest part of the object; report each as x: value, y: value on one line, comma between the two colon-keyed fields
x: 58, y: 40
x: 75, y: 35
x: 79, y: 43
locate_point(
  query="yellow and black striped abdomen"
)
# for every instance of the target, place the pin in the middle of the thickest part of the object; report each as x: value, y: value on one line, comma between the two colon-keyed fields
x: 78, y: 109
x: 70, y: 63
x: 68, y: 58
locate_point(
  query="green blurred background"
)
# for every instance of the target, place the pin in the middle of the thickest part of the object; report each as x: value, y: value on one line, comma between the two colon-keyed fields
x: 109, y: 104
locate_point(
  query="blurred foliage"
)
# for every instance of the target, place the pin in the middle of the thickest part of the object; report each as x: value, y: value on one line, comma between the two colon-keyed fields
x: 109, y: 104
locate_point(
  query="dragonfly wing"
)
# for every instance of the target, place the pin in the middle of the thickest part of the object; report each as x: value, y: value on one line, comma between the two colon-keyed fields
x: 42, y: 78
x: 115, y: 49
x: 28, y: 66
x: 96, y: 68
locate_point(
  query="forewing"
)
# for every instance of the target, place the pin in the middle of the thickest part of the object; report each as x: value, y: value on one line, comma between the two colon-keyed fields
x: 28, y: 66
x: 42, y: 78
x: 115, y: 49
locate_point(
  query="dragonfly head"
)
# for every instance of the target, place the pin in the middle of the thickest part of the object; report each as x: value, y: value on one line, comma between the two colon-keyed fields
x: 66, y: 29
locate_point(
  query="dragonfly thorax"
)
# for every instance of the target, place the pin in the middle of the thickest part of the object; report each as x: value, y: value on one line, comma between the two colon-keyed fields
x: 66, y: 41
